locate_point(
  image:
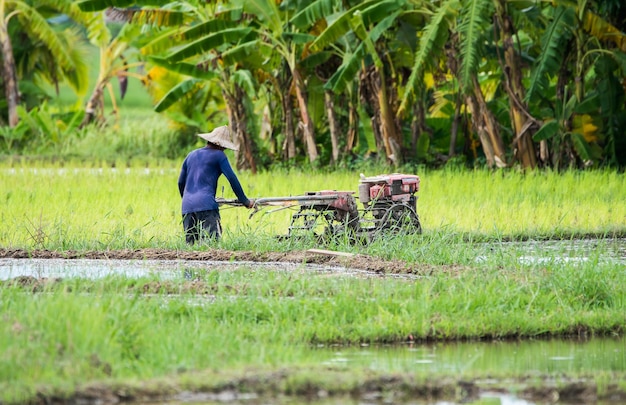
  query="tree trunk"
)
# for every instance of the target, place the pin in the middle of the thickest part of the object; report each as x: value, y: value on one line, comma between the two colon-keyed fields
x: 238, y: 120
x: 353, y: 123
x: 525, y: 150
x: 391, y: 134
x: 418, y: 123
x: 487, y: 127
x: 368, y: 98
x: 9, y: 73
x: 452, y: 61
x: 415, y: 130
x: 333, y: 125
x: 454, y: 131
x: 289, y: 145
x: 383, y: 122
x: 267, y: 131
x: 307, y: 124
x: 479, y: 127
x: 95, y: 106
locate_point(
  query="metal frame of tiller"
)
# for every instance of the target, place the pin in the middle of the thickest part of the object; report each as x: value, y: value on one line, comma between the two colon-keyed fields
x: 389, y: 203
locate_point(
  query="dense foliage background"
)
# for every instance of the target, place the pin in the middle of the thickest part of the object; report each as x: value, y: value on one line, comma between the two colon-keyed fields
x: 499, y: 83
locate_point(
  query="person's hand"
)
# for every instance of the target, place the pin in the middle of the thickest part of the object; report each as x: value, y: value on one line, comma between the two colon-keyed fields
x: 251, y: 203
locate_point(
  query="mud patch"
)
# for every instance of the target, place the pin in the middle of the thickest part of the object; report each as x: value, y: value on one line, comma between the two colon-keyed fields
x: 198, y: 287
x: 33, y: 284
x: 311, y: 386
x: 358, y: 262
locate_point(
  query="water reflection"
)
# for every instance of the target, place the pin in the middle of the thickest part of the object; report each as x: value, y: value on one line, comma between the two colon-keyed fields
x: 488, y: 398
x: 574, y: 251
x: 519, y: 357
x: 156, y: 269
x: 231, y: 398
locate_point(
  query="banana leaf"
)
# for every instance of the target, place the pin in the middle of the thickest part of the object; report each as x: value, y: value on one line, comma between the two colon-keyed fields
x: 176, y: 93
x: 547, y: 131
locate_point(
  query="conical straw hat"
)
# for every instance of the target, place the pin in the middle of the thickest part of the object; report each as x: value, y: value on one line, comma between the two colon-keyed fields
x: 220, y: 136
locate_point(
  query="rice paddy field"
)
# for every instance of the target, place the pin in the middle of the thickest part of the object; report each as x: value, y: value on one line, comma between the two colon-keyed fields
x: 504, y: 257
x: 65, y: 207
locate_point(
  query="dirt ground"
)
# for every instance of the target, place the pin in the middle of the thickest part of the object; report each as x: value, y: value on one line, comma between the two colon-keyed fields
x: 357, y: 262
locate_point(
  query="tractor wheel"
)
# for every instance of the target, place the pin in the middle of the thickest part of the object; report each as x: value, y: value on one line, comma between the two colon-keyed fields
x: 401, y: 218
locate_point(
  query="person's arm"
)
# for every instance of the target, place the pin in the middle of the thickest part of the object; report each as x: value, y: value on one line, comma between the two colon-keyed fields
x: 227, y: 170
x: 182, y: 178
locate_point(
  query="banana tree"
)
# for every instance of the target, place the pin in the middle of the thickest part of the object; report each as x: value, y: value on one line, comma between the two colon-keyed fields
x: 433, y: 69
x: 238, y: 99
x: 213, y: 52
x: 113, y: 64
x: 32, y: 20
x: 578, y: 40
x: 274, y: 33
x: 524, y: 124
x: 571, y: 132
x: 474, y: 23
x: 313, y: 19
x: 261, y: 25
x: 367, y: 22
x: 463, y: 51
x: 114, y: 49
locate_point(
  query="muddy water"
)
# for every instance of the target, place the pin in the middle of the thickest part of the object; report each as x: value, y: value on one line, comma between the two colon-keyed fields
x: 156, y: 269
x: 487, y: 398
x: 575, y: 251
x: 611, y: 251
x: 525, y: 357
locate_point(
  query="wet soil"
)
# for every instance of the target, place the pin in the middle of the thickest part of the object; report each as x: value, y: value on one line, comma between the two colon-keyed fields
x: 40, y: 284
x: 357, y: 261
x: 294, y: 383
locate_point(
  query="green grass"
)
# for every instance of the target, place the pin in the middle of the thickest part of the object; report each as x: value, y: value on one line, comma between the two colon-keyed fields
x: 65, y: 206
x: 77, y: 332
x: 471, y: 283
x: 251, y: 319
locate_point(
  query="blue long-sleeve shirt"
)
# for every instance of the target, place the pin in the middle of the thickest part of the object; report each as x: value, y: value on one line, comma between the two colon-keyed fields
x: 197, y: 182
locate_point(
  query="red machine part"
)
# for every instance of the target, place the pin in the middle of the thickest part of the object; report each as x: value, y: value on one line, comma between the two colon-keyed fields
x: 394, y: 187
x: 341, y: 200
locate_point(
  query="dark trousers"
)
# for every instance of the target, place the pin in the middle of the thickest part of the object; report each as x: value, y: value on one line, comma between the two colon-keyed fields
x: 201, y: 224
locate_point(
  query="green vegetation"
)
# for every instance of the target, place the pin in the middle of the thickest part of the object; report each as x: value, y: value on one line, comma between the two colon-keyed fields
x: 75, y: 331
x: 154, y: 335
x: 316, y: 93
x: 65, y: 206
x: 476, y: 82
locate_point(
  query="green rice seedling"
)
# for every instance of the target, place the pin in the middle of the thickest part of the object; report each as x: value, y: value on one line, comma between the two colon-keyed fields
x: 95, y: 207
x: 517, y: 204
x: 73, y: 331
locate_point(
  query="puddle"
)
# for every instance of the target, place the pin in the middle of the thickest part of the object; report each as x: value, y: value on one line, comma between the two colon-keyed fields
x: 233, y: 398
x: 157, y: 269
x: 575, y: 251
x: 522, y: 357
x: 525, y: 357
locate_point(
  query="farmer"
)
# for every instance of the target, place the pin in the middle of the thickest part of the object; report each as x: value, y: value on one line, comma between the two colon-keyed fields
x: 197, y: 184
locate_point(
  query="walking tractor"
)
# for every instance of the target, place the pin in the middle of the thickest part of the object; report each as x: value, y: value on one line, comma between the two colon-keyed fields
x: 388, y: 203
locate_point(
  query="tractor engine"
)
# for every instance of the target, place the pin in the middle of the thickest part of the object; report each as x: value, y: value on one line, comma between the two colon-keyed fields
x: 390, y: 199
